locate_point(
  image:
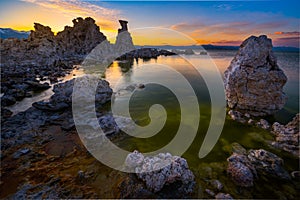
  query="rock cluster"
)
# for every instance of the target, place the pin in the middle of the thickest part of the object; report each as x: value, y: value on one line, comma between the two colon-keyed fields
x: 184, y: 52
x: 43, y: 56
x: 145, y: 53
x: 287, y: 136
x: 21, y: 127
x: 253, y: 81
x: 244, y: 167
x: 246, y: 119
x: 47, y: 56
x: 79, y: 39
x: 62, y: 97
x: 149, y: 170
x: 43, y: 48
x: 105, y: 53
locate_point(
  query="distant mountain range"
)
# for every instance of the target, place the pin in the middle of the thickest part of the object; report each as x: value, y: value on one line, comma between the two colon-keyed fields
x: 215, y: 47
x: 10, y: 33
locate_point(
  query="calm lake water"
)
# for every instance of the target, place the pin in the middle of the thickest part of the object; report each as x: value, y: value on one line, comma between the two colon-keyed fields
x: 213, y: 166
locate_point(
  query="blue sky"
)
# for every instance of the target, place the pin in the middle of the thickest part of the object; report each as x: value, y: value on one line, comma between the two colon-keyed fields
x: 208, y: 22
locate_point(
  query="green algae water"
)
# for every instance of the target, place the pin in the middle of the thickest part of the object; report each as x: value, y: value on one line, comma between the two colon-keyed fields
x: 213, y: 166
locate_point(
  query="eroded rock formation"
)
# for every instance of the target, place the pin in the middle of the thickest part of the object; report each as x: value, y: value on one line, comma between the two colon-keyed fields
x: 124, y: 42
x: 244, y: 167
x: 175, y: 174
x: 105, y: 53
x: 253, y: 81
x: 45, y: 55
x: 79, y: 39
x: 123, y: 24
x: 287, y: 136
x: 44, y: 48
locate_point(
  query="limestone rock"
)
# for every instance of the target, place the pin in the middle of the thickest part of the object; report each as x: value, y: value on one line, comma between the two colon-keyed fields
x: 124, y: 42
x: 183, y: 52
x: 223, y: 196
x: 245, y: 168
x: 217, y: 184
x: 41, y: 32
x: 80, y: 39
x: 148, y: 170
x: 268, y: 164
x: 240, y: 170
x: 253, y: 81
x: 105, y: 53
x: 263, y: 124
x: 123, y: 24
x: 44, y: 48
x: 287, y: 136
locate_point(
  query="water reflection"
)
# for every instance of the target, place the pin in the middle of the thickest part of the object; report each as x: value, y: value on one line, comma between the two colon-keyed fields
x: 288, y: 61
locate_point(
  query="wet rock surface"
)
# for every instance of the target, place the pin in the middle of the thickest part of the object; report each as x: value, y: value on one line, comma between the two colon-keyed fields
x: 223, y: 196
x: 21, y: 128
x: 183, y: 52
x: 247, y: 167
x: 145, y: 53
x: 37, y: 141
x: 287, y: 136
x: 44, y: 56
x: 253, y: 81
x: 158, y: 174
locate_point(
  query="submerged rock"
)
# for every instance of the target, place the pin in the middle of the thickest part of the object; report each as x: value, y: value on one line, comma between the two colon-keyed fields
x: 189, y: 52
x: 253, y: 81
x: 237, y: 116
x: 217, y: 184
x: 287, y: 136
x: 163, y: 170
x: 268, y: 164
x: 210, y: 193
x: 245, y: 168
x: 263, y: 124
x: 223, y: 196
x: 239, y: 170
x: 183, y: 52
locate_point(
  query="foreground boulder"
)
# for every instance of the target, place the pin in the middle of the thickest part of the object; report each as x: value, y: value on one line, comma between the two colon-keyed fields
x: 245, y: 167
x: 253, y: 81
x: 175, y: 175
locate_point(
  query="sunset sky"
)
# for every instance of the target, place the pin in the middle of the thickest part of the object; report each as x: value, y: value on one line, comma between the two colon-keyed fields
x: 209, y: 22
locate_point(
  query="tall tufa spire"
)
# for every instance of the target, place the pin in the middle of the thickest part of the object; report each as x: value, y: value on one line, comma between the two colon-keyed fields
x: 123, y: 24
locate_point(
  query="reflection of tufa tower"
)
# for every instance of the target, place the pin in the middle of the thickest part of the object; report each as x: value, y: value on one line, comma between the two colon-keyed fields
x: 124, y: 41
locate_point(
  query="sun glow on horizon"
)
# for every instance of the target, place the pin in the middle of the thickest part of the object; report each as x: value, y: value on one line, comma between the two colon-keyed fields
x: 198, y: 28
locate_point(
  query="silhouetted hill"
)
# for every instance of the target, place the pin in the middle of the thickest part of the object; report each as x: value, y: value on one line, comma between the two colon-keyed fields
x: 214, y: 47
x: 10, y: 33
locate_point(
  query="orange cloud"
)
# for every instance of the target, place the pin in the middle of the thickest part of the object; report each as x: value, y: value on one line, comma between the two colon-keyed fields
x: 287, y: 33
x: 106, y: 18
x: 228, y: 33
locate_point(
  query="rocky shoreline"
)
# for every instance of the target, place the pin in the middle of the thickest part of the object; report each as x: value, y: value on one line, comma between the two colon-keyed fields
x: 42, y: 155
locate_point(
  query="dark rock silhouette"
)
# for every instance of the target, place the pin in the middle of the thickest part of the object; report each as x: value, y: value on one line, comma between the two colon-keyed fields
x: 44, y: 48
x: 123, y: 24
